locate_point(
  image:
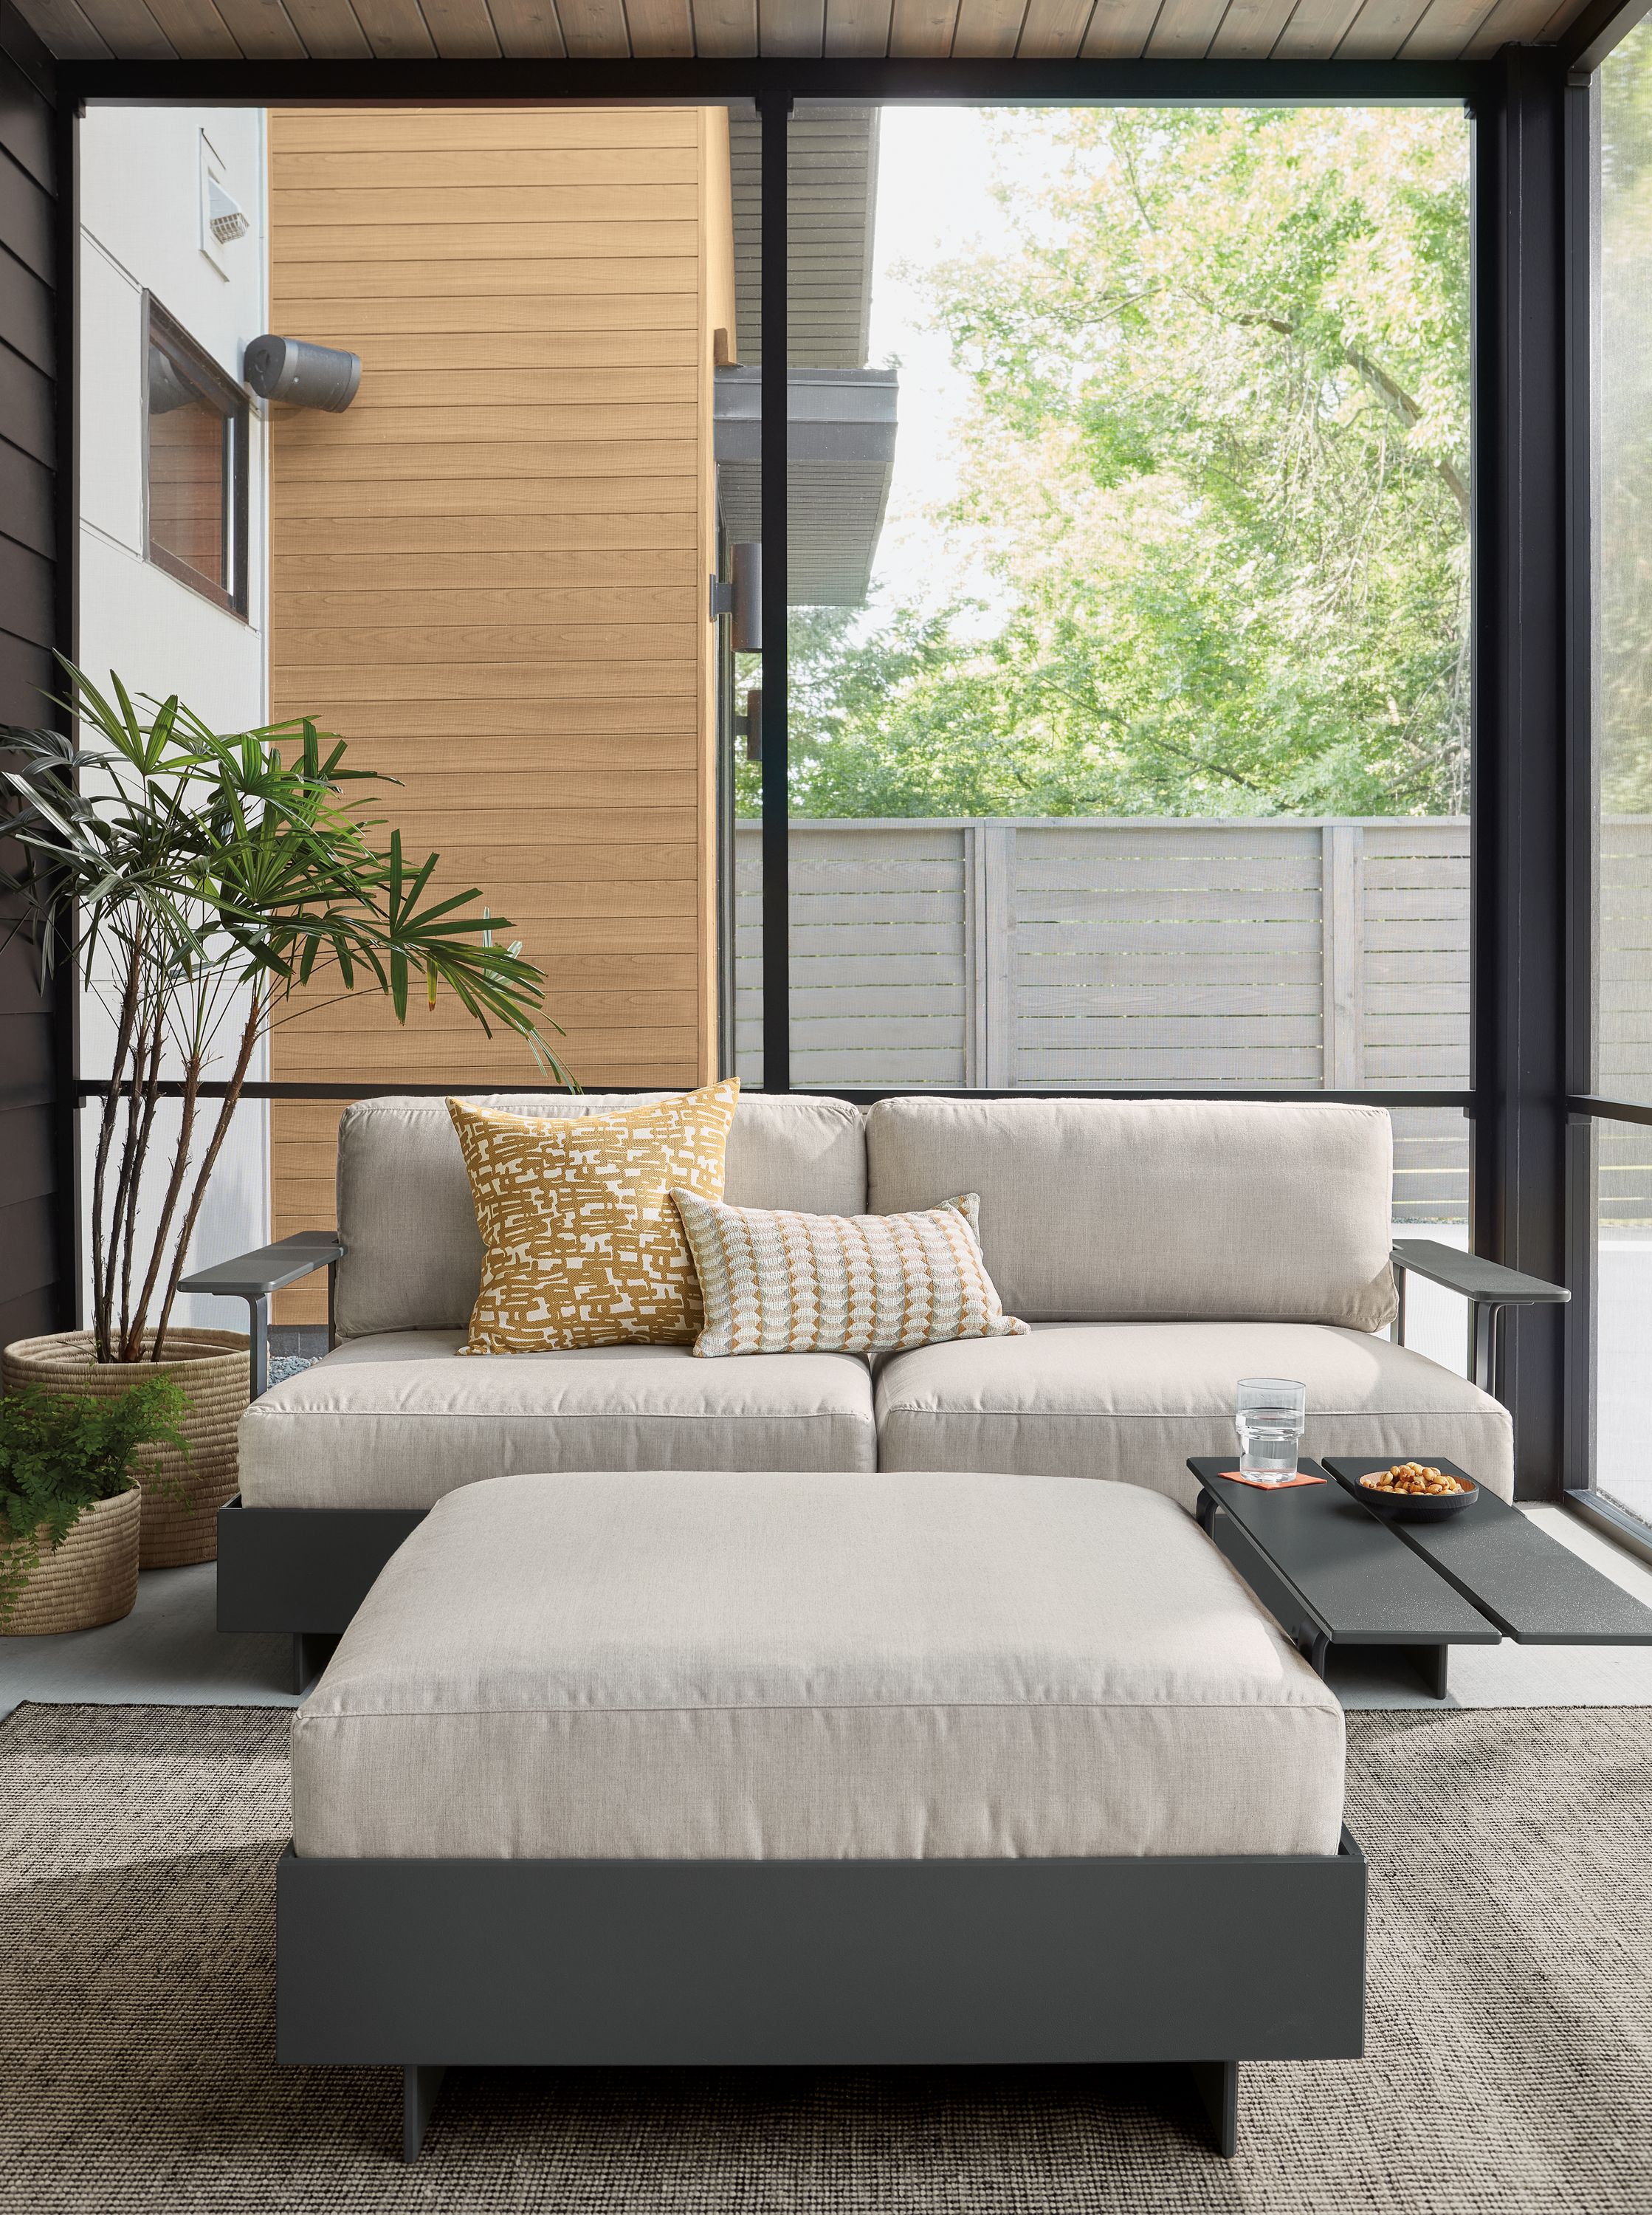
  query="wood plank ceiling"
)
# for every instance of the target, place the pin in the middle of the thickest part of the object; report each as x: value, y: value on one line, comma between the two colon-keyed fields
x: 594, y: 30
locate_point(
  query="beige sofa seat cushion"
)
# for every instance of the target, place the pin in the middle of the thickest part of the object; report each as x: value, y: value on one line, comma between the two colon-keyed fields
x: 1131, y: 1210
x: 746, y: 1666
x: 413, y: 1255
x: 1131, y: 1402
x: 399, y: 1420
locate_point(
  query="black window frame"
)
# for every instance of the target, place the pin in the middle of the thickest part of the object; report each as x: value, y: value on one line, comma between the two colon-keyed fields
x: 1597, y: 33
x: 1520, y: 1101
x: 163, y: 332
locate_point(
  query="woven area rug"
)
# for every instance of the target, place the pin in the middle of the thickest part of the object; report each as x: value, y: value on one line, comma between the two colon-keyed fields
x: 1510, y: 2028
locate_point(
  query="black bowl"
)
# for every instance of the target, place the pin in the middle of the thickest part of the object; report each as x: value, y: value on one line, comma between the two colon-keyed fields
x: 1403, y: 1507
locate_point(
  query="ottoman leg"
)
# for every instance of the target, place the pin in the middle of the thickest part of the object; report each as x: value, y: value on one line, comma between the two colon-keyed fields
x: 422, y: 2084
x: 311, y: 1652
x: 1217, y: 2085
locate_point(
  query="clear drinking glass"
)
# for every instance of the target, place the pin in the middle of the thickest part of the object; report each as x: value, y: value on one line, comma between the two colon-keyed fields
x: 1270, y: 1412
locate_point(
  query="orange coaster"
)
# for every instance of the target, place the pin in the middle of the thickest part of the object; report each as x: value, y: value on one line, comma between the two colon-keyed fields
x: 1261, y: 1484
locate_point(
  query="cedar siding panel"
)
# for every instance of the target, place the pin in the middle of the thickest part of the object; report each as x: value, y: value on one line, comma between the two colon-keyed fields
x: 490, y: 573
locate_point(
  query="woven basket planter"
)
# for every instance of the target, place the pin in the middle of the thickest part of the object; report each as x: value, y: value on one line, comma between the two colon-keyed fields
x: 210, y: 1365
x: 92, y: 1578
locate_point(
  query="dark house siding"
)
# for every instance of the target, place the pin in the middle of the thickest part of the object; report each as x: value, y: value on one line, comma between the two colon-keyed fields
x: 34, y: 1293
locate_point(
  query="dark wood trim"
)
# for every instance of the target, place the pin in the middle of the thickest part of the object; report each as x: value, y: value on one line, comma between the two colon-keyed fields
x: 26, y: 316
x: 26, y: 586
x: 25, y: 121
x: 26, y: 217
x: 28, y: 410
x: 23, y: 46
x: 29, y: 504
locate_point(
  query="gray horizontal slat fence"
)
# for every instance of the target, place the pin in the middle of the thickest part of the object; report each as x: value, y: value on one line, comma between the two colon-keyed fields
x: 1134, y: 952
x: 1623, y: 1012
x: 1623, y: 1017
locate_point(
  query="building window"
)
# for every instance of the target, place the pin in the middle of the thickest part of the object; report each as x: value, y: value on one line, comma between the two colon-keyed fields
x: 194, y: 464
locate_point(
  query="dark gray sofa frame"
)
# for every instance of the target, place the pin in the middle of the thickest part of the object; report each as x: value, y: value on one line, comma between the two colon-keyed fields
x: 304, y: 1571
x: 1207, y: 1961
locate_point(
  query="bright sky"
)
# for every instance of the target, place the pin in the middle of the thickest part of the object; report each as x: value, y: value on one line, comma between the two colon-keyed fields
x: 936, y: 167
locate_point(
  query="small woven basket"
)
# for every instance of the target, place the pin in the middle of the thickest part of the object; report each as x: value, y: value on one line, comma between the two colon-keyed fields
x: 91, y: 1578
x: 210, y: 1365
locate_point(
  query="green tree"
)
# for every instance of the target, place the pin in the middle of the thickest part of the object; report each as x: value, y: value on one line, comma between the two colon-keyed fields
x: 1626, y: 407
x: 1218, y: 463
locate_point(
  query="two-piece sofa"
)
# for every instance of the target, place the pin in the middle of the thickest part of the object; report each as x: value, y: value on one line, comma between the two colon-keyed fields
x: 1160, y: 1248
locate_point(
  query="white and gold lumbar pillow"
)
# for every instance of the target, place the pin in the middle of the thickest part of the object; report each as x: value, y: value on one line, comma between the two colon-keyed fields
x: 582, y: 1244
x: 774, y: 1281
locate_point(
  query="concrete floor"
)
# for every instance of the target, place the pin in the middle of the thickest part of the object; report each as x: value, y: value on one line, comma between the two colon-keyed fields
x: 168, y: 1652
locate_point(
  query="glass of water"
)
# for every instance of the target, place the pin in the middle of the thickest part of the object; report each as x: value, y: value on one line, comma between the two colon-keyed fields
x: 1270, y: 1412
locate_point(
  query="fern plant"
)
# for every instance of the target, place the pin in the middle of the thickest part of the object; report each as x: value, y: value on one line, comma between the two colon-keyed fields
x: 61, y: 1452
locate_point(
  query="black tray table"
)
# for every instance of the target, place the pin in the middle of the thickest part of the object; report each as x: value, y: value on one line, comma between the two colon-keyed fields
x: 1536, y: 1591
x: 1336, y: 1576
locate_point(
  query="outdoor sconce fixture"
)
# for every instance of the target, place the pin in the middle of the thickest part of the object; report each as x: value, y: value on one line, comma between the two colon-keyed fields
x: 742, y: 596
x: 302, y: 375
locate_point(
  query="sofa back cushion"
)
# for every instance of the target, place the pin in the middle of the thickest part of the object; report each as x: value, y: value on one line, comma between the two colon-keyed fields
x: 1117, y: 1209
x: 413, y: 1255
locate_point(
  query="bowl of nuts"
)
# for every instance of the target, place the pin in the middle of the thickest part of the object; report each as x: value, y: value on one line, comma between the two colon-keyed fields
x: 1407, y: 1491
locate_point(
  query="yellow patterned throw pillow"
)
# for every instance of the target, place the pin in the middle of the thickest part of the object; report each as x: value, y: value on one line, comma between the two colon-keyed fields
x: 776, y: 1282
x: 582, y: 1244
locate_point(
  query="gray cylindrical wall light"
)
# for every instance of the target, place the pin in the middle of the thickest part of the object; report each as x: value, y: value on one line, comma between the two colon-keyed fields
x: 746, y: 573
x: 302, y: 375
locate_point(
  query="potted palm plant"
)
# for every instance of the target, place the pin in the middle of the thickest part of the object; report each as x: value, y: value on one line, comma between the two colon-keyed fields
x: 195, y: 882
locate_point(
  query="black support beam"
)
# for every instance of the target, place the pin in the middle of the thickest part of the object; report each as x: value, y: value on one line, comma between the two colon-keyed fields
x: 1520, y: 794
x: 708, y: 79
x: 774, y: 109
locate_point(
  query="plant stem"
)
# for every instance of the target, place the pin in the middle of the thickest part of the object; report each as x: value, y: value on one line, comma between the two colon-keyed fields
x: 116, y: 1266
x: 101, y: 1291
x: 133, y: 1345
x: 251, y: 1031
x: 140, y: 1148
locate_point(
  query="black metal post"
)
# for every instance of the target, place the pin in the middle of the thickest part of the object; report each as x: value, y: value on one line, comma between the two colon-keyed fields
x: 1581, y: 218
x: 65, y: 1003
x: 773, y: 110
x: 1518, y: 903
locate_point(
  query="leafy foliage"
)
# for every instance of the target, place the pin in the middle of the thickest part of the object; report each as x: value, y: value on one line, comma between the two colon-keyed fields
x: 61, y: 1452
x: 197, y: 882
x: 1625, y: 569
x: 1217, y: 467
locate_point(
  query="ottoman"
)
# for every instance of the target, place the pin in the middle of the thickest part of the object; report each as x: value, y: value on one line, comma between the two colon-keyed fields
x: 815, y: 1768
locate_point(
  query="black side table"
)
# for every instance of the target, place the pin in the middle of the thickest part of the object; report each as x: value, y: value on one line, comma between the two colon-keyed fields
x: 1335, y: 1575
x: 1332, y: 1575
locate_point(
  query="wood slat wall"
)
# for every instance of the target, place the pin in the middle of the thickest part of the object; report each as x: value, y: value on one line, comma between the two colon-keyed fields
x: 31, y: 1297
x: 489, y: 574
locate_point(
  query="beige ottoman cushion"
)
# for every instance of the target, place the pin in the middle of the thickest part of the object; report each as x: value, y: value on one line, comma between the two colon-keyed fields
x: 738, y: 1666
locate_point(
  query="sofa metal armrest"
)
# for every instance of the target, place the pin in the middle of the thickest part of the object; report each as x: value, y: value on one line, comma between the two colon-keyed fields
x: 1486, y: 1286
x: 253, y: 1277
